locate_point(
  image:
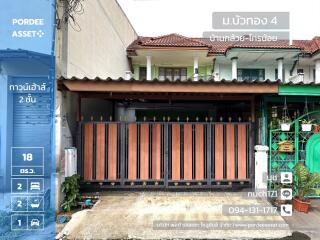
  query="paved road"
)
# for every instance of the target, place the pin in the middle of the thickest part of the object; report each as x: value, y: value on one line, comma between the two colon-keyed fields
x: 307, y: 223
x: 133, y: 215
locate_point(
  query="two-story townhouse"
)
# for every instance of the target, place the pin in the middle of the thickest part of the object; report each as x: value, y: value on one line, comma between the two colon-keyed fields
x: 191, y: 110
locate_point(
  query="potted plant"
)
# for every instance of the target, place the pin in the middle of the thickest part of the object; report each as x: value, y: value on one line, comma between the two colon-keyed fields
x: 306, y: 125
x: 304, y: 185
x: 285, y: 124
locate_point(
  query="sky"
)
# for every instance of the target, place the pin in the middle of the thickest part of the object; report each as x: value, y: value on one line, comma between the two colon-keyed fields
x: 193, y: 17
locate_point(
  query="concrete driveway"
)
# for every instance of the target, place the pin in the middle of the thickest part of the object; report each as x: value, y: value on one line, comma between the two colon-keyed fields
x: 169, y: 215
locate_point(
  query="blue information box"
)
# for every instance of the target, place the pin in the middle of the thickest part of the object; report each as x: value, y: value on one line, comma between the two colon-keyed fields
x: 27, y: 98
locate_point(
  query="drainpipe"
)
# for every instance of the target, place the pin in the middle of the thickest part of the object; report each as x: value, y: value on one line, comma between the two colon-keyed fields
x: 280, y: 68
x: 293, y: 67
x: 234, y: 62
x: 317, y: 80
x: 149, y: 68
x: 217, y: 72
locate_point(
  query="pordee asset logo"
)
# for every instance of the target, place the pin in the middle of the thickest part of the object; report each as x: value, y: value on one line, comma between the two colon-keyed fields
x: 27, y: 22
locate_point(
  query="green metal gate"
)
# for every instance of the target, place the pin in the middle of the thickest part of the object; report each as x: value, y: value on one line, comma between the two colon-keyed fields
x: 285, y: 162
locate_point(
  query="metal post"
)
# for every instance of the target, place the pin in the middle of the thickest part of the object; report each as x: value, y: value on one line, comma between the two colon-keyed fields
x: 94, y: 152
x: 166, y: 153
x: 264, y: 130
x: 296, y: 141
x: 270, y: 157
x: 209, y: 152
x: 79, y: 149
x: 251, y: 154
x: 122, y: 151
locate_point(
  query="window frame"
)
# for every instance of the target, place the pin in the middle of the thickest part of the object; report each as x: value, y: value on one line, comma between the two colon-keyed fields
x: 141, y: 69
x: 300, y: 71
x: 250, y: 70
x: 169, y: 73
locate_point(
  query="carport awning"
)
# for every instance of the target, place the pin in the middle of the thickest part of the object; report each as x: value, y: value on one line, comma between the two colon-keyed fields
x: 300, y: 89
x: 166, y: 86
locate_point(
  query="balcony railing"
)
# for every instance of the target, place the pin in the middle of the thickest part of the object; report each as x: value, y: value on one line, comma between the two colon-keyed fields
x: 203, y: 77
x: 193, y: 77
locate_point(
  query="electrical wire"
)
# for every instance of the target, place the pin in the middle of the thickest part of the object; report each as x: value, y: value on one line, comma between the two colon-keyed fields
x: 71, y: 9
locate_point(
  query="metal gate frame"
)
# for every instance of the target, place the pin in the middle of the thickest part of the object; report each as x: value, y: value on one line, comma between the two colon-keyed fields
x: 166, y: 182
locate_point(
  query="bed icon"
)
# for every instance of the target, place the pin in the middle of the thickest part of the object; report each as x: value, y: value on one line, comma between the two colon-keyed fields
x: 35, y: 186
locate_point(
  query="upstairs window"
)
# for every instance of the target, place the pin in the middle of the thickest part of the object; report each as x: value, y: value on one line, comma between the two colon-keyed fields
x: 172, y: 74
x: 300, y: 71
x: 251, y: 74
x: 142, y: 73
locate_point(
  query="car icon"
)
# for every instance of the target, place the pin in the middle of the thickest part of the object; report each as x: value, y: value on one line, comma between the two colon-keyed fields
x: 35, y: 186
x: 35, y: 222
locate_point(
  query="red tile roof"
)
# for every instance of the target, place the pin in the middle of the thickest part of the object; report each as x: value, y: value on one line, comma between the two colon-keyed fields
x: 222, y: 47
x: 308, y: 46
x: 219, y: 47
x: 173, y: 40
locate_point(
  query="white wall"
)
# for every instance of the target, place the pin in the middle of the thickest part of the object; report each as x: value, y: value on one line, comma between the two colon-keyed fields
x: 308, y: 72
x: 225, y: 71
x: 99, y: 48
x: 66, y: 124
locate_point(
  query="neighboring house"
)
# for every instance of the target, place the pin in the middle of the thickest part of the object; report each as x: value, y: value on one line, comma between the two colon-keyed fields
x: 224, y: 60
x: 192, y: 110
x: 92, y: 45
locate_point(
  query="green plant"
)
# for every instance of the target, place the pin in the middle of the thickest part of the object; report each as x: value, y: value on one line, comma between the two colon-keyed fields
x: 307, y: 121
x: 285, y: 119
x: 274, y: 123
x: 304, y: 181
x: 71, y: 188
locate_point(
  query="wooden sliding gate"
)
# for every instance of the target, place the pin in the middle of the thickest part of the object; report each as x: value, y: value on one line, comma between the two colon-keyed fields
x: 166, y: 154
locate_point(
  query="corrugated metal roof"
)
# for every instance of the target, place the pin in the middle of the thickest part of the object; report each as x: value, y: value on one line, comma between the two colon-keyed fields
x: 20, y: 53
x: 190, y: 81
x: 156, y: 80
